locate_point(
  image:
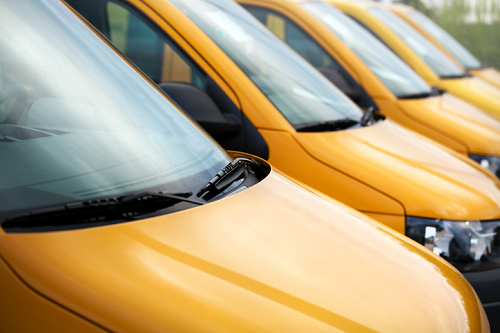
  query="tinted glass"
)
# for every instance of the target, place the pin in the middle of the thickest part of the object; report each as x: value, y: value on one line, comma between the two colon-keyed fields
x: 78, y: 123
x: 448, y: 42
x: 295, y: 37
x: 298, y: 91
x: 388, y: 67
x: 145, y: 47
x: 436, y: 59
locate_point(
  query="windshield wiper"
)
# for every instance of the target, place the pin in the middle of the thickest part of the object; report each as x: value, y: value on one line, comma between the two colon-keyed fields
x: 97, y: 211
x: 228, y: 175
x: 453, y: 76
x: 416, y: 96
x: 481, y: 66
x: 333, y: 125
x: 368, y: 117
x: 435, y: 91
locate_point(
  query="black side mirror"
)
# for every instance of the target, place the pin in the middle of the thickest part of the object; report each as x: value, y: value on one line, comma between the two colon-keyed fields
x: 340, y: 82
x: 202, y: 109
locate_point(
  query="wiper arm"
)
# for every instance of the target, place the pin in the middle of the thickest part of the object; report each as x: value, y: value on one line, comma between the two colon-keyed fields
x: 436, y: 91
x: 334, y: 125
x: 98, y: 211
x: 368, y: 117
x: 228, y: 175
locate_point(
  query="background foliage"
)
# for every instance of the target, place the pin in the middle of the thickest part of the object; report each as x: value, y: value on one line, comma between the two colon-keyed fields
x: 477, y: 28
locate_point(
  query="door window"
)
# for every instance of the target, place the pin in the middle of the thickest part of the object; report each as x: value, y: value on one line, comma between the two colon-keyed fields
x: 310, y: 50
x: 295, y: 37
x: 155, y: 55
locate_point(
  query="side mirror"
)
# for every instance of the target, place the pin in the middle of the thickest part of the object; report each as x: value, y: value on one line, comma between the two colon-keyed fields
x: 202, y: 108
x: 340, y: 82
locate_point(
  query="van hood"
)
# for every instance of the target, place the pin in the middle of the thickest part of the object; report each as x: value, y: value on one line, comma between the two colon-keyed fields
x: 428, y: 179
x: 458, y: 120
x: 274, y: 257
x: 480, y: 93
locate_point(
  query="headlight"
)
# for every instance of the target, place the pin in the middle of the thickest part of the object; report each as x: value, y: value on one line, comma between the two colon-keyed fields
x: 491, y: 163
x: 467, y: 245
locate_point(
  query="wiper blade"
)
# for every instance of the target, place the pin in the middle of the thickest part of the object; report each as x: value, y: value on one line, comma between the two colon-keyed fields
x: 435, y: 91
x: 97, y: 211
x: 481, y: 66
x: 416, y: 96
x: 228, y: 175
x: 457, y: 76
x: 334, y: 125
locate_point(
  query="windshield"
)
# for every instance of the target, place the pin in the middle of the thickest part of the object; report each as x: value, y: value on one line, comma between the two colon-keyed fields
x: 450, y: 44
x: 436, y: 59
x: 77, y: 123
x: 297, y: 90
x: 388, y: 67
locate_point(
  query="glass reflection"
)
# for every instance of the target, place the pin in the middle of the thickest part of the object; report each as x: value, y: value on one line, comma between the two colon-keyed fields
x: 436, y: 59
x: 78, y: 123
x: 298, y: 91
x: 388, y: 67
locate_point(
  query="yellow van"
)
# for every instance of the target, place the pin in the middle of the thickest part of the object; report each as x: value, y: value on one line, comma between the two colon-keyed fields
x: 361, y: 65
x: 81, y: 132
x: 342, y: 50
x: 291, y: 115
x: 446, y: 43
x: 426, y: 59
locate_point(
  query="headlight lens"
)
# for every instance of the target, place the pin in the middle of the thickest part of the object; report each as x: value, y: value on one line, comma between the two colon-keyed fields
x: 491, y: 163
x: 467, y: 245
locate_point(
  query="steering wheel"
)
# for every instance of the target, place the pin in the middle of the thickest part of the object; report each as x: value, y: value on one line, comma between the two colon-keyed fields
x: 21, y: 95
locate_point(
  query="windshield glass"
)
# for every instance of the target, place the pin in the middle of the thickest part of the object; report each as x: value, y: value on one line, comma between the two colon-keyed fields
x: 432, y: 56
x: 77, y: 123
x: 449, y: 43
x: 297, y: 90
x: 388, y: 67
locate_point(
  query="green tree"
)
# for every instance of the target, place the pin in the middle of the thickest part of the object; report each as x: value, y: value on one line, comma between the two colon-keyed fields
x: 418, y: 5
x: 477, y: 28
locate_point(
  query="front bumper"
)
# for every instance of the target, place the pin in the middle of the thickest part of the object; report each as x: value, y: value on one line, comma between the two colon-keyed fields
x: 487, y: 286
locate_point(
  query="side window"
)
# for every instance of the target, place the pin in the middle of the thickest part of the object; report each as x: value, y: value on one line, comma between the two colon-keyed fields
x: 159, y: 57
x: 156, y: 56
x: 364, y: 26
x: 289, y: 32
x: 295, y: 37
